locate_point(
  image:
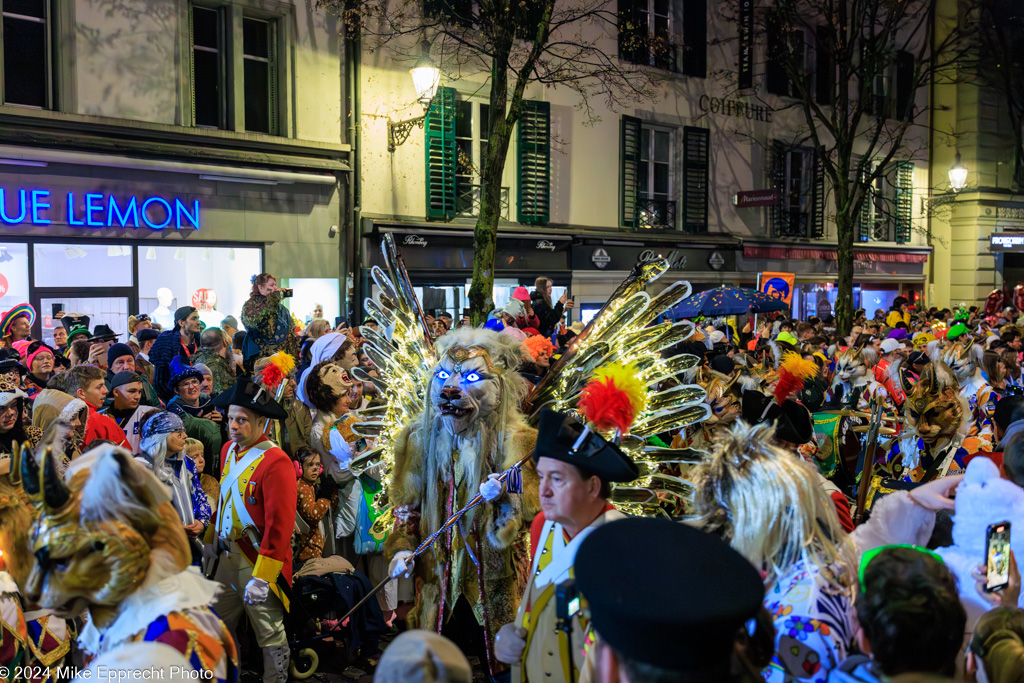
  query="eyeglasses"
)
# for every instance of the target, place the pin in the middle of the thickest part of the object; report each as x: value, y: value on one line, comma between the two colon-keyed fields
x: 870, y: 555
x: 189, y: 384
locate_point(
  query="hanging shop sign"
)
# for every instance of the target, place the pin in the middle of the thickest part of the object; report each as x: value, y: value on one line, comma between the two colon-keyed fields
x: 97, y: 210
x: 1006, y: 241
x: 778, y: 286
x: 745, y: 78
x: 755, y: 198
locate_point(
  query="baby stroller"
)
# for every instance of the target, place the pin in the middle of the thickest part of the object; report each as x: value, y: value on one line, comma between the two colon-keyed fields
x: 317, y: 602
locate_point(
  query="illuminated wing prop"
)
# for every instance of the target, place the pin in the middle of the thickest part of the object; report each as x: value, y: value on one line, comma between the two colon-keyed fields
x: 403, y: 355
x: 624, y: 331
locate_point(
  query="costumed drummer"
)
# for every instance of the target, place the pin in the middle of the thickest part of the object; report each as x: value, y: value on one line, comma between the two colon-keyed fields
x: 575, y: 471
x: 255, y: 518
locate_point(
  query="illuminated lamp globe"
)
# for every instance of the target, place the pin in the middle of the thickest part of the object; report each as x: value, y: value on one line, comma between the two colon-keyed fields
x: 958, y: 175
x: 425, y: 78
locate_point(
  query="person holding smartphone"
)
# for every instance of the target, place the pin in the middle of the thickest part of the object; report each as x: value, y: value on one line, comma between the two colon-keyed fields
x: 548, y: 314
x: 268, y: 323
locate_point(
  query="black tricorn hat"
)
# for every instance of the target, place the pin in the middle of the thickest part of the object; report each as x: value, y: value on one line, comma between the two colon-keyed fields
x: 251, y: 396
x: 557, y: 436
x: 792, y: 421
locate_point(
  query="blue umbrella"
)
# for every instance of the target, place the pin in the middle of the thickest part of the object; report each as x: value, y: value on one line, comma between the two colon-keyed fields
x: 727, y: 301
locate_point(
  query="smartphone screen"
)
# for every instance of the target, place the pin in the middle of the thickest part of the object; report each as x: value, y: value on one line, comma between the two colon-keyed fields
x: 997, y: 556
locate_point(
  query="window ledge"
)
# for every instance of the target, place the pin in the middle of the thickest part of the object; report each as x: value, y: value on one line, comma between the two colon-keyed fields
x: 22, y: 126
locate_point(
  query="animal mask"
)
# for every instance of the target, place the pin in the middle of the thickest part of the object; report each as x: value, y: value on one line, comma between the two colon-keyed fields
x: 93, y: 535
x: 724, y: 395
x: 934, y: 409
x: 962, y: 357
x: 850, y: 366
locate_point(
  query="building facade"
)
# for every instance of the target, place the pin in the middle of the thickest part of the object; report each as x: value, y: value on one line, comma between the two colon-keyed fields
x: 159, y: 154
x: 707, y: 174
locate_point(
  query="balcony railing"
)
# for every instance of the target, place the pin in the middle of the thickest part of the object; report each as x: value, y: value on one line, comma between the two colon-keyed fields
x: 655, y: 214
x: 789, y: 223
x: 467, y: 200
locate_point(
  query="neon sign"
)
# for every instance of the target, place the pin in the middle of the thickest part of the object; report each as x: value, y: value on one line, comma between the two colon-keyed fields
x: 94, y: 210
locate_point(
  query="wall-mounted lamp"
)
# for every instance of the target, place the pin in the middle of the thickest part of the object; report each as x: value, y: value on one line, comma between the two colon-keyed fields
x: 426, y: 76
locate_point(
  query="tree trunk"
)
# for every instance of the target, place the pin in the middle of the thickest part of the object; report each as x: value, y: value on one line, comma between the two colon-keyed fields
x: 845, y: 226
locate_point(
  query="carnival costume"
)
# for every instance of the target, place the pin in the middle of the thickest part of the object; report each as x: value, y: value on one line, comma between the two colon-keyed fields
x: 269, y: 326
x: 255, y: 520
x: 140, y: 589
x: 853, y: 383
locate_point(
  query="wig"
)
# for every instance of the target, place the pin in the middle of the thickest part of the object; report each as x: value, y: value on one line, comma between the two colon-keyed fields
x: 536, y: 344
x: 769, y: 505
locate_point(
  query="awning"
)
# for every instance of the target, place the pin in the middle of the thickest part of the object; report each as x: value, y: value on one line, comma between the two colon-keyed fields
x: 787, y: 253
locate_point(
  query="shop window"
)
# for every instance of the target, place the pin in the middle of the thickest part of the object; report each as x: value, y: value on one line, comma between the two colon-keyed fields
x: 27, y: 63
x: 102, y: 310
x: 649, y: 34
x: 887, y: 212
x: 13, y: 274
x: 208, y: 64
x: 217, y: 280
x: 799, y: 178
x: 213, y: 71
x: 71, y: 265
x: 308, y: 293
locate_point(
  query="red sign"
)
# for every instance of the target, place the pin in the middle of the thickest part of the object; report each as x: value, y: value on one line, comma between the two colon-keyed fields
x: 204, y: 299
x: 755, y: 198
x: 3, y: 285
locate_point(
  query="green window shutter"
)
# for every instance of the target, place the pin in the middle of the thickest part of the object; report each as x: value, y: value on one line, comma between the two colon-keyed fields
x: 866, y: 220
x: 696, y: 175
x: 533, y: 203
x: 629, y: 182
x: 904, y: 200
x: 818, y: 189
x: 439, y: 132
x: 777, y: 178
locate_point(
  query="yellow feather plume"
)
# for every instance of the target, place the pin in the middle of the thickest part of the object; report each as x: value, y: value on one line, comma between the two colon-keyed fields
x: 795, y: 364
x: 285, y: 362
x: 627, y: 380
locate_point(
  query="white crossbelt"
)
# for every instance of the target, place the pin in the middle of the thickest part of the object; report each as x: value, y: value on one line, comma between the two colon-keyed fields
x: 231, y: 500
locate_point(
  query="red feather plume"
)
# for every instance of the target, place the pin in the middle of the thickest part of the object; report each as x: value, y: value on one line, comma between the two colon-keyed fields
x: 272, y: 376
x: 607, y: 406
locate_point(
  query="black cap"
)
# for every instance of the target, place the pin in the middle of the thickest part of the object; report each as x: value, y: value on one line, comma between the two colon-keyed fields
x: 558, y: 433
x: 124, y: 377
x: 792, y: 421
x: 673, y: 628
x: 251, y: 396
x: 182, y: 313
x: 145, y: 335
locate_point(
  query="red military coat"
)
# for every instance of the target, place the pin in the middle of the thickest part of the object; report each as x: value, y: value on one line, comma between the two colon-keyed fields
x: 270, y: 499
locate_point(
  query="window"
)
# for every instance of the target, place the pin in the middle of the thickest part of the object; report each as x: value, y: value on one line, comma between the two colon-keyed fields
x: 208, y: 103
x: 799, y: 179
x: 69, y: 265
x: 217, y: 101
x: 696, y: 178
x: 259, y: 75
x: 786, y: 49
x: 887, y: 211
x: 26, y: 53
x: 471, y: 126
x: 648, y: 34
x: 656, y: 189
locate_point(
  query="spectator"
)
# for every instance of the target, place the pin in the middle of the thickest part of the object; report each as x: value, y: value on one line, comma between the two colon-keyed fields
x: 12, y: 427
x: 120, y: 358
x: 996, y: 649
x: 267, y: 321
x: 910, y: 616
x: 230, y: 326
x: 179, y: 342
x: 316, y: 329
x: 422, y: 656
x: 216, y: 355
x: 60, y: 339
x: 809, y: 583
x: 1008, y: 418
x: 162, y: 442
x: 86, y: 382
x: 16, y: 324
x: 647, y: 634
x: 61, y: 420
x: 127, y: 389
x: 548, y: 314
x: 293, y: 432
x: 38, y: 359
x: 142, y: 364
x: 137, y: 323
x: 186, y: 382
x: 994, y: 370
x: 312, y: 509
x: 211, y: 487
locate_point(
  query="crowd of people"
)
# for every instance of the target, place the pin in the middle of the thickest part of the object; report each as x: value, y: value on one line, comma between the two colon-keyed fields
x: 832, y: 521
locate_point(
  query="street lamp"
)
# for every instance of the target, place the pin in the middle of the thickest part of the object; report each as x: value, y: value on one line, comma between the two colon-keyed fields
x: 425, y: 78
x: 957, y: 174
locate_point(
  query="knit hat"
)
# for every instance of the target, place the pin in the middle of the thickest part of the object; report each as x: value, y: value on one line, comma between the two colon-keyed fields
x: 230, y: 321
x: 521, y: 294
x: 124, y: 377
x: 118, y: 351
x: 514, y: 308
x: 30, y: 349
x: 203, y: 368
x: 182, y: 313
x: 160, y: 422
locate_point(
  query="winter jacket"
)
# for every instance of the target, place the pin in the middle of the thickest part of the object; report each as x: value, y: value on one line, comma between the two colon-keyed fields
x: 165, y: 348
x: 861, y: 669
x: 548, y: 315
x: 102, y: 427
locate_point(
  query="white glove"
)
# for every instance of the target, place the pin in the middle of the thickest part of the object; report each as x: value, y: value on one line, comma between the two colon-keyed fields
x: 402, y: 564
x: 256, y: 591
x: 509, y: 644
x: 491, y: 488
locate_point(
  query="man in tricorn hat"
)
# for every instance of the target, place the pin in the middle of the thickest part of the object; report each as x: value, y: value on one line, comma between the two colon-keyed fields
x: 575, y: 484
x: 255, y: 518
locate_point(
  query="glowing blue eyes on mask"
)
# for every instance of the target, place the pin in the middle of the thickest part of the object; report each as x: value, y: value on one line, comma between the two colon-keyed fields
x: 473, y: 377
x: 443, y: 374
x: 470, y: 378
